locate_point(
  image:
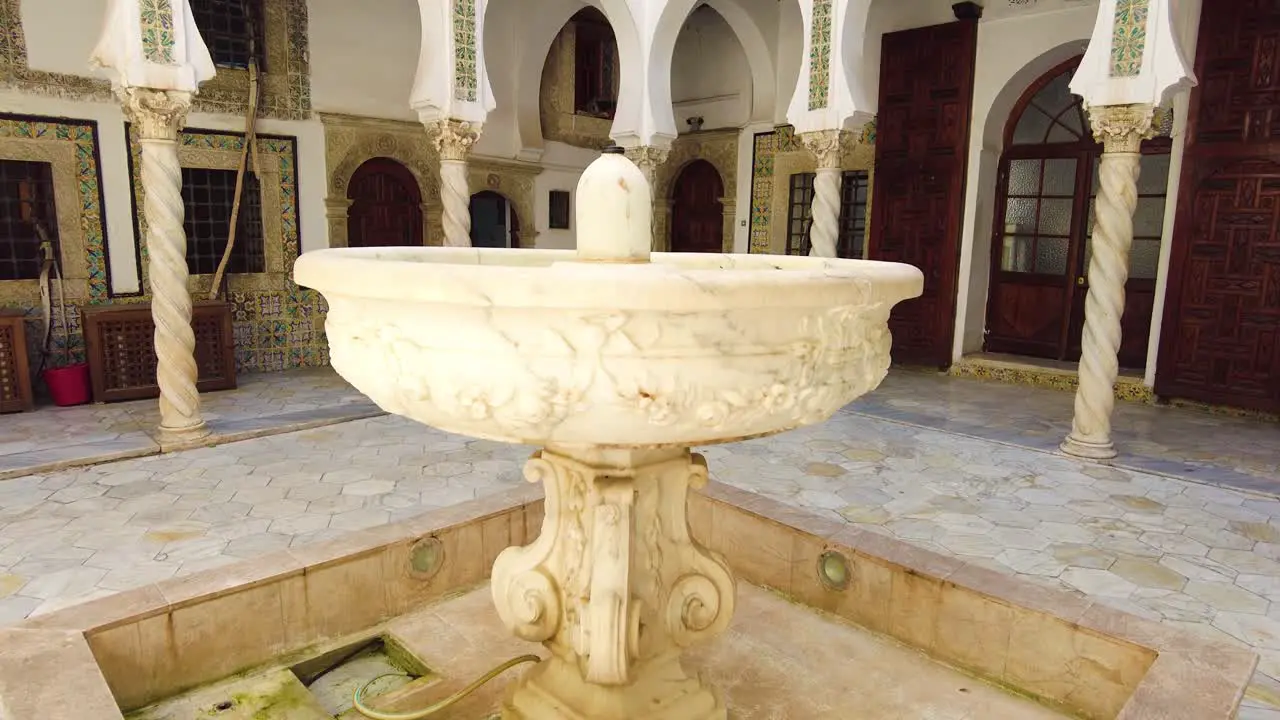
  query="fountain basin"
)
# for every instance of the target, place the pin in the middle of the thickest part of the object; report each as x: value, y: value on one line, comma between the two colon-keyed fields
x: 137, y: 653
x: 534, y: 347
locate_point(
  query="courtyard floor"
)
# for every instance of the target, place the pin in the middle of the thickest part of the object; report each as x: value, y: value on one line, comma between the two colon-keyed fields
x: 1184, y: 529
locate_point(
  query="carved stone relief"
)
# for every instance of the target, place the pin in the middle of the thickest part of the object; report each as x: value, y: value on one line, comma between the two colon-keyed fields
x: 351, y: 141
x: 856, y: 153
x: 718, y: 147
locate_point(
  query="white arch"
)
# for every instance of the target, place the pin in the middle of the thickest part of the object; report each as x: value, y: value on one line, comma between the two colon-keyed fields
x: 991, y: 114
x: 538, y: 24
x: 662, y: 51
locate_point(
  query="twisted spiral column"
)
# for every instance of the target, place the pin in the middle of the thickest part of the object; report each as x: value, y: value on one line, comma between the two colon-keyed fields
x: 453, y: 140
x: 824, y: 228
x: 824, y: 232
x: 1121, y: 129
x: 158, y: 116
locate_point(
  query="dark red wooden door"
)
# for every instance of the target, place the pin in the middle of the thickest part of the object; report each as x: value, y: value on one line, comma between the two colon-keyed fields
x: 386, y: 205
x: 697, y: 215
x: 922, y: 136
x: 1220, y: 342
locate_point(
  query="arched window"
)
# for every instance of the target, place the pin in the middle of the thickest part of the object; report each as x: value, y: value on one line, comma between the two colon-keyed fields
x: 1042, y: 239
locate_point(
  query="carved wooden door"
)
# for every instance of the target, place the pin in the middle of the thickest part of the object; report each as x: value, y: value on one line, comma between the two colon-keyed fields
x: 1220, y: 342
x: 922, y: 133
x: 697, y: 215
x: 386, y: 206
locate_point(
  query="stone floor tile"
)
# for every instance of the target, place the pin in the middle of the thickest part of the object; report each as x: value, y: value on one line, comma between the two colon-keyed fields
x: 1102, y: 583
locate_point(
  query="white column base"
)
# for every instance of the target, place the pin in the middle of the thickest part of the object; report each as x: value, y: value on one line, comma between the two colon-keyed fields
x: 1088, y: 449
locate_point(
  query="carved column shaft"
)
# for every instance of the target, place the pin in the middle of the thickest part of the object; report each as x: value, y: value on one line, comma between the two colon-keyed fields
x: 824, y: 230
x: 158, y: 116
x: 650, y: 159
x: 1121, y: 130
x: 453, y: 140
x: 614, y: 587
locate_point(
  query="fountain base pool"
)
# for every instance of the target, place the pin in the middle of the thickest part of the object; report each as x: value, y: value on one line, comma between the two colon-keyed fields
x: 831, y: 622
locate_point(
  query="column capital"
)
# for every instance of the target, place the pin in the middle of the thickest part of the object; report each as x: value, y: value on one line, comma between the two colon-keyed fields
x: 1122, y: 128
x: 453, y: 139
x: 826, y: 145
x: 648, y: 157
x: 158, y: 114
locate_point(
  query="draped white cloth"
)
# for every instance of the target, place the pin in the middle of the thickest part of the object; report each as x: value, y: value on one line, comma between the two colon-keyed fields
x: 120, y: 50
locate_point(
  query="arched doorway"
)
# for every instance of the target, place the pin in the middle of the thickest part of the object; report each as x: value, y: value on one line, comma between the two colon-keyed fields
x: 494, y: 223
x: 697, y: 215
x: 1042, y: 235
x: 386, y: 205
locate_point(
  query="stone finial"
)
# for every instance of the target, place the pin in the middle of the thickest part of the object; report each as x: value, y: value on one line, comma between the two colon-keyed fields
x: 615, y: 211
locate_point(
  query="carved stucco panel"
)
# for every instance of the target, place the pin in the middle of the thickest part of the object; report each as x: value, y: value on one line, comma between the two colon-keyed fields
x: 352, y: 141
x: 718, y: 147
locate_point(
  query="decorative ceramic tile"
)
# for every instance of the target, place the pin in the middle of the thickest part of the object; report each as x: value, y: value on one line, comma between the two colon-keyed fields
x: 274, y: 322
x: 464, y: 50
x: 156, y: 19
x: 285, y: 87
x: 1128, y: 38
x: 820, y: 55
x: 83, y: 243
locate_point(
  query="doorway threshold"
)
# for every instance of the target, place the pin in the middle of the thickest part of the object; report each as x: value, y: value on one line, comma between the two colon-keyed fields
x: 1041, y: 372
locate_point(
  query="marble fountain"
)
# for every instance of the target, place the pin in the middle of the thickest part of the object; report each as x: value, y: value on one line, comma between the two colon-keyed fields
x: 625, y: 564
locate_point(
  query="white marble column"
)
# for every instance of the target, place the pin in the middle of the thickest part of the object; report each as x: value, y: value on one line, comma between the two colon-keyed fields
x: 824, y: 232
x: 158, y: 115
x: 1121, y: 130
x: 453, y: 140
x: 650, y: 159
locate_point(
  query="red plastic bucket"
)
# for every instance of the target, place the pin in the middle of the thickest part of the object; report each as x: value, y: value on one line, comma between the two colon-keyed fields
x: 69, y: 385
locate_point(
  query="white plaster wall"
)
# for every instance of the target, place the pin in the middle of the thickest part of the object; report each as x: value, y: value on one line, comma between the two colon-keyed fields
x: 563, y: 165
x: 1013, y: 50
x: 790, y: 49
x: 362, y: 62
x: 709, y: 74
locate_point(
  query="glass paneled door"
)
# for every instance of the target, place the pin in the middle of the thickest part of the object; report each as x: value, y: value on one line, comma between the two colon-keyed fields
x: 1044, y: 224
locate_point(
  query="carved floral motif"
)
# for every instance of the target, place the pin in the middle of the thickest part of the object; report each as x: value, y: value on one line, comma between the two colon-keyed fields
x: 158, y: 114
x: 614, y: 584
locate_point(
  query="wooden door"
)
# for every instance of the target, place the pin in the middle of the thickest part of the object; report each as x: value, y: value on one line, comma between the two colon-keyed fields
x: 926, y: 94
x: 386, y: 206
x: 1220, y: 342
x: 697, y: 215
x: 1043, y: 231
x: 494, y: 223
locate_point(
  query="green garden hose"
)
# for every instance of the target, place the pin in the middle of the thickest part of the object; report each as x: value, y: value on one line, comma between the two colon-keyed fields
x: 437, y: 707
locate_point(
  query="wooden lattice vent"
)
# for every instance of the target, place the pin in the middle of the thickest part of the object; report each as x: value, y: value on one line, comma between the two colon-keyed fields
x: 122, y: 358
x: 15, y: 374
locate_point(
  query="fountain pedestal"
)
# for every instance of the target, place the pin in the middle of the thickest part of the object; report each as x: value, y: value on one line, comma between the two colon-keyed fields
x: 615, y: 588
